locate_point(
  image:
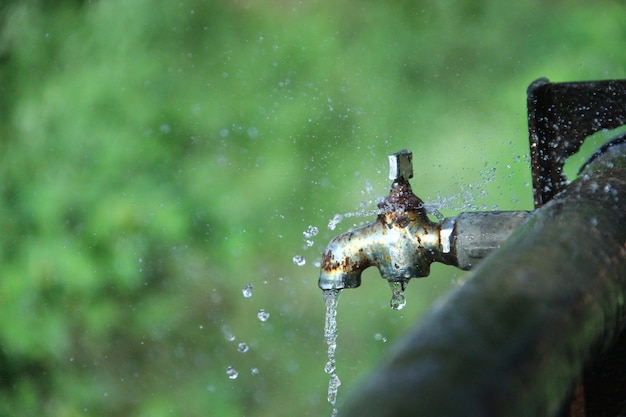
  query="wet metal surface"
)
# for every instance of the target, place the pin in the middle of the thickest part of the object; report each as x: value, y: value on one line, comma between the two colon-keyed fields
x: 560, y: 117
x: 402, y: 243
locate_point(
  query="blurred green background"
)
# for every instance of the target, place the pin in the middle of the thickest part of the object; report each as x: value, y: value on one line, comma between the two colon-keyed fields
x: 156, y: 157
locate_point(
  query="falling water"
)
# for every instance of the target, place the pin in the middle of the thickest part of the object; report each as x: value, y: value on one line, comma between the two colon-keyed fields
x: 398, y: 301
x: 331, y: 297
x: 247, y: 290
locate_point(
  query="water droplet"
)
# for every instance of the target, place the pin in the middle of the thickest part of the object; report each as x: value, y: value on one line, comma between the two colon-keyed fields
x: 254, y: 371
x: 379, y: 337
x: 228, y: 334
x: 232, y: 372
x: 165, y: 128
x: 398, y: 301
x: 247, y: 290
x: 299, y: 260
x: 263, y: 315
x: 310, y: 232
x: 253, y: 133
x: 335, y: 221
x: 243, y: 347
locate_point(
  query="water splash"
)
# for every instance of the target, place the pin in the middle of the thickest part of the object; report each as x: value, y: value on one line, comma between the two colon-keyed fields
x: 263, y: 315
x: 310, y: 232
x: 332, y: 224
x: 331, y: 298
x: 379, y: 337
x: 398, y: 301
x: 232, y: 372
x: 228, y: 333
x: 338, y: 218
x: 247, y: 290
x: 243, y: 347
x: 468, y: 196
x: 299, y: 260
x: 432, y: 209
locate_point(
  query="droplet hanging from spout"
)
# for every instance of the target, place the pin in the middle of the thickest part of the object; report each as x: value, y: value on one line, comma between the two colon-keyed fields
x: 398, y: 300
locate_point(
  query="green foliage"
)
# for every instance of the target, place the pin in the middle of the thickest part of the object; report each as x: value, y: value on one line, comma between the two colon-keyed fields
x: 155, y: 158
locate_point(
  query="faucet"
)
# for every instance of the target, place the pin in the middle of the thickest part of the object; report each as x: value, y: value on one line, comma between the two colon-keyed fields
x: 402, y: 242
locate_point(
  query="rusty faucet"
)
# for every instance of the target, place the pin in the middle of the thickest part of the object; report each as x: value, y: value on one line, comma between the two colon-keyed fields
x: 402, y: 242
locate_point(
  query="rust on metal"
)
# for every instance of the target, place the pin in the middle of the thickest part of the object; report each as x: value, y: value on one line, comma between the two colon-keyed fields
x: 399, y: 242
x: 402, y: 242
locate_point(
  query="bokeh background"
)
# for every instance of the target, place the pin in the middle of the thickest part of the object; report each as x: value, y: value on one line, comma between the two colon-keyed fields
x: 158, y: 156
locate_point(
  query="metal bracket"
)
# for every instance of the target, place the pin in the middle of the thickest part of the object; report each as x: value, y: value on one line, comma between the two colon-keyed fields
x: 560, y: 117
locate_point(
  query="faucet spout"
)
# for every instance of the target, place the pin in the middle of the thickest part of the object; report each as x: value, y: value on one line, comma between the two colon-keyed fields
x: 402, y: 242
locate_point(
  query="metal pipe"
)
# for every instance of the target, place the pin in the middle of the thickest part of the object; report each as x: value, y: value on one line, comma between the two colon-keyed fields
x: 474, y: 235
x: 515, y: 338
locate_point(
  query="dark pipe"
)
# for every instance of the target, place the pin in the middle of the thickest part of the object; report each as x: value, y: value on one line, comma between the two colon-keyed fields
x: 560, y: 117
x: 515, y: 338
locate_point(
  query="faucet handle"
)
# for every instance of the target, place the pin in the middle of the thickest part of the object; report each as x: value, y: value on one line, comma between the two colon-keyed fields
x: 401, y: 165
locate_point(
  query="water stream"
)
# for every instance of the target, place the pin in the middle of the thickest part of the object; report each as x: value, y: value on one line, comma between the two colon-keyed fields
x: 331, y: 298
